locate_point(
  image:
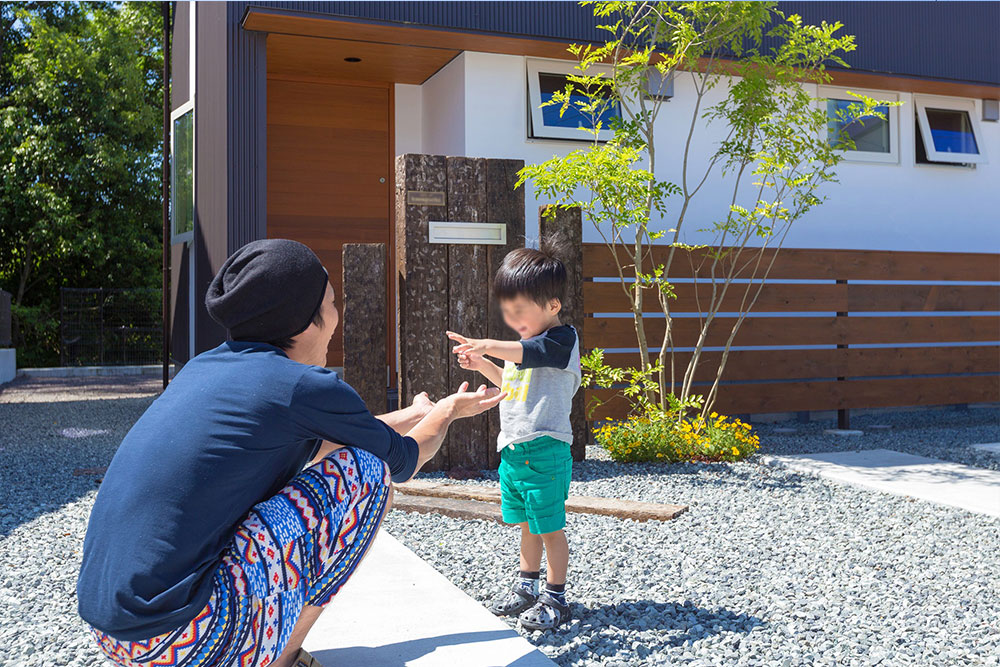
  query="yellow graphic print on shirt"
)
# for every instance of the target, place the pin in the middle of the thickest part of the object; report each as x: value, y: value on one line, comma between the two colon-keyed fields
x: 515, y: 383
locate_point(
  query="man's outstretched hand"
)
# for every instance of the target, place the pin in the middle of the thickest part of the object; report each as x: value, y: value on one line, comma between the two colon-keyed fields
x: 471, y: 403
x: 431, y: 430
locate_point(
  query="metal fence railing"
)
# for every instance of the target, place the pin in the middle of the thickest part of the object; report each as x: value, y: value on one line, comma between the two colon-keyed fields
x: 110, y: 327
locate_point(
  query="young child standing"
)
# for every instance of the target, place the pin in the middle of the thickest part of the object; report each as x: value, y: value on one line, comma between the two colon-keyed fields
x: 541, y: 373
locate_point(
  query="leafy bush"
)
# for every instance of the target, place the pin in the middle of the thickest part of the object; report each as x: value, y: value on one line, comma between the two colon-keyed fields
x: 718, y: 438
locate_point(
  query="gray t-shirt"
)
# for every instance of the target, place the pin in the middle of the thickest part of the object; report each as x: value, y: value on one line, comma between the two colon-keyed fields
x: 541, y: 388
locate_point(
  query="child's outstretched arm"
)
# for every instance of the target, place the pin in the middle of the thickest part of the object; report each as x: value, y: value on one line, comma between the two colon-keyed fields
x: 508, y: 350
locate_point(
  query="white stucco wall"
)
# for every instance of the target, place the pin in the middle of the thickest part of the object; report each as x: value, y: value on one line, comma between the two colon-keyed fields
x: 477, y: 106
x: 443, y: 113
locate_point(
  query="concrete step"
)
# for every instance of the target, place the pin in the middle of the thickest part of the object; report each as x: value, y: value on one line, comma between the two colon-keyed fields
x: 397, y: 610
x: 623, y: 509
x: 970, y: 488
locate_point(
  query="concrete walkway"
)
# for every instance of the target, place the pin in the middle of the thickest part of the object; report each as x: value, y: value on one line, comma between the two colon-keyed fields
x: 991, y: 447
x: 972, y: 489
x: 397, y: 610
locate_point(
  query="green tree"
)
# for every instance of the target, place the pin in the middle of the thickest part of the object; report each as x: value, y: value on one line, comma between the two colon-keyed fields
x: 80, y: 126
x: 774, y: 134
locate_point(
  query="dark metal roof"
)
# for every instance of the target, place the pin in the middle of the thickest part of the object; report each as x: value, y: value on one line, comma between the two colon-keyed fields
x: 937, y: 40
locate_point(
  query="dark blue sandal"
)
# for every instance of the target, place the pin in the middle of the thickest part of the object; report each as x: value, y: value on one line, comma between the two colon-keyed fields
x: 513, y: 602
x: 546, y: 614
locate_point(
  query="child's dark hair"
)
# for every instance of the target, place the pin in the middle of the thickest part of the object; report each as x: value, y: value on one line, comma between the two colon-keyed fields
x: 537, y: 274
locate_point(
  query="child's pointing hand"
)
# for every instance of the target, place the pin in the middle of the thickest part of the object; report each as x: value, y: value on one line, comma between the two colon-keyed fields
x: 467, y: 346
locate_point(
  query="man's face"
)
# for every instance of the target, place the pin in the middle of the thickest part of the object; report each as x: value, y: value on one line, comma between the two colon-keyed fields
x: 527, y: 317
x: 310, y: 346
x: 331, y: 318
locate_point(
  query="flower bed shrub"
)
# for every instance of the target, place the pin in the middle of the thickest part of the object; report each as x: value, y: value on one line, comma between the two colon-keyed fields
x: 719, y: 438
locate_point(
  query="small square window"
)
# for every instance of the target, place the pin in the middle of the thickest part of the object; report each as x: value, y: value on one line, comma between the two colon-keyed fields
x: 870, y: 133
x: 875, y: 139
x: 545, y: 78
x: 182, y: 173
x: 948, y: 131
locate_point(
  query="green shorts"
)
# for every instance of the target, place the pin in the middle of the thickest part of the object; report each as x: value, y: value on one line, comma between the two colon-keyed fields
x: 534, y: 484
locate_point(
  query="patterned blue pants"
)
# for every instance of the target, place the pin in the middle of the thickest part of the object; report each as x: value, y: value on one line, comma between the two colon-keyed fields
x: 294, y: 549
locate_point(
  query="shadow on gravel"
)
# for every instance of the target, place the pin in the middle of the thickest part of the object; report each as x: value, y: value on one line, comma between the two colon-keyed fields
x: 676, y: 624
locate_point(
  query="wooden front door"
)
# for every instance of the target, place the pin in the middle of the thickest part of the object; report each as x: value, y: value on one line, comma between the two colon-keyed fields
x: 329, y: 175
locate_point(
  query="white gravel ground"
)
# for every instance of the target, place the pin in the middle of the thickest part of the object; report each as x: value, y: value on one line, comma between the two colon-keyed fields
x: 768, y: 567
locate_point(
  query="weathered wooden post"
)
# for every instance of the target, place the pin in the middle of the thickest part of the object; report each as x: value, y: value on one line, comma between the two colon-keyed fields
x: 468, y: 296
x: 565, y: 230
x: 422, y: 282
x: 363, y: 321
x: 503, y: 204
x: 446, y: 285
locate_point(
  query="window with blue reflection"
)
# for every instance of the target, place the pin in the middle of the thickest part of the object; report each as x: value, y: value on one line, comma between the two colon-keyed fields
x: 870, y: 133
x: 951, y: 131
x: 549, y: 84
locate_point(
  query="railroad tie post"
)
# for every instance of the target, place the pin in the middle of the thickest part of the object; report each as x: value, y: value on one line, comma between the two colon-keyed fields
x: 564, y: 230
x: 364, y: 304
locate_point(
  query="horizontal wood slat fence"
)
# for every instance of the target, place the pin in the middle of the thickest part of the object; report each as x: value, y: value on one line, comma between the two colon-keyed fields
x: 847, y: 314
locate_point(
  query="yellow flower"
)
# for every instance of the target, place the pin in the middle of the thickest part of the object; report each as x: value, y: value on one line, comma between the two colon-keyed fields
x: 736, y: 452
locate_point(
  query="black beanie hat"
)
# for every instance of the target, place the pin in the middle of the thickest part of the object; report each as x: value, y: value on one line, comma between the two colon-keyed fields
x: 267, y: 290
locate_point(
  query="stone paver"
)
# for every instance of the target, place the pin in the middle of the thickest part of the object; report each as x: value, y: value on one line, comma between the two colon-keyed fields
x: 943, y: 482
x: 457, y: 508
x: 397, y: 610
x: 623, y: 509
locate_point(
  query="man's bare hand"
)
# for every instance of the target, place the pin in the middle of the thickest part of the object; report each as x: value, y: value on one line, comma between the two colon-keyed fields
x: 468, y: 403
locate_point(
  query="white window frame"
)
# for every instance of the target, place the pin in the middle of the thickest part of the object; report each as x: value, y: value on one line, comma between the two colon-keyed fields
x: 892, y: 116
x: 922, y: 102
x: 538, y: 129
x: 188, y: 236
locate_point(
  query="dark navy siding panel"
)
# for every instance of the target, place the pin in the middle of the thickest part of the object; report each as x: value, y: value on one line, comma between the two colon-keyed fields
x: 212, y: 109
x: 180, y: 55
x: 563, y: 20
x: 247, y: 130
x: 937, y: 40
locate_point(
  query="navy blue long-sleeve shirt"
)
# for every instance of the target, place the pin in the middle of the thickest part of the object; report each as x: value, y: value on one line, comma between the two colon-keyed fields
x: 232, y: 428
